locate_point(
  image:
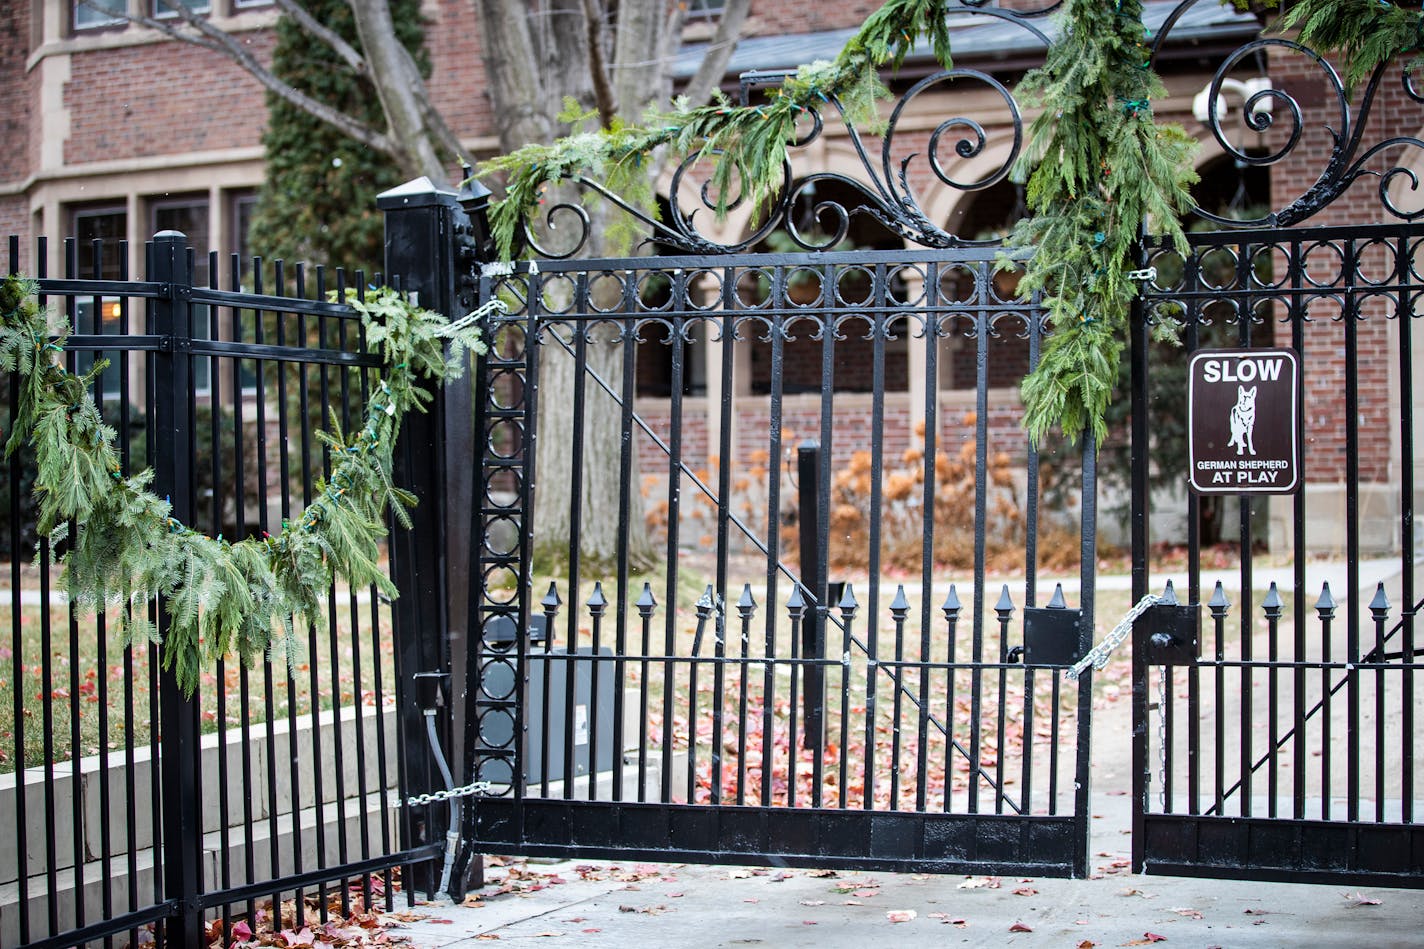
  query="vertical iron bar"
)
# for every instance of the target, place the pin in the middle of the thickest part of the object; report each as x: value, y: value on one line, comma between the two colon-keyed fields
x: 1352, y: 534
x: 879, y: 330
x: 1296, y: 308
x: 821, y: 591
x: 17, y: 669
x: 773, y: 557
x: 76, y: 810
x: 250, y: 792
x: 1248, y: 710
x: 674, y: 489
x: 215, y: 446
x: 981, y: 447
x: 1404, y: 320
x: 930, y: 331
x: 626, y: 449
x: 950, y: 608
x: 1087, y: 603
x: 580, y: 406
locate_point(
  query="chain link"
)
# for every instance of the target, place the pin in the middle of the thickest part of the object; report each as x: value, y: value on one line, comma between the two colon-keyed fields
x: 1162, y: 737
x: 1097, y: 657
x: 468, y: 790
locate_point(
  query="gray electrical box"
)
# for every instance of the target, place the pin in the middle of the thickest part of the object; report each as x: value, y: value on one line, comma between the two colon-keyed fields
x: 590, y: 717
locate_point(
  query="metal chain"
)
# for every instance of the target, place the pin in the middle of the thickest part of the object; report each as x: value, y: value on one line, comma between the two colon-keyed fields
x: 1162, y: 737
x: 1097, y: 657
x: 468, y: 790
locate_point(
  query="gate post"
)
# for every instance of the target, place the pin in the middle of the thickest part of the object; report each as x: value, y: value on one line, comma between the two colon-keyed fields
x: 1141, y: 537
x: 179, y: 772
x: 429, y: 562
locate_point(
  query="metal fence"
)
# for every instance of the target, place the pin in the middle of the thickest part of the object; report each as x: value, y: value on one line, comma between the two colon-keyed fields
x: 1277, y: 738
x: 270, y: 796
x: 765, y: 694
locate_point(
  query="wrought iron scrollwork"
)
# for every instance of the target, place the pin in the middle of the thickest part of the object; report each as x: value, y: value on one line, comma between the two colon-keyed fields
x: 887, y: 188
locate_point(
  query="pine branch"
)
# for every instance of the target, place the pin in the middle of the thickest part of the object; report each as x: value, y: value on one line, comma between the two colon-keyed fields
x: 220, y: 599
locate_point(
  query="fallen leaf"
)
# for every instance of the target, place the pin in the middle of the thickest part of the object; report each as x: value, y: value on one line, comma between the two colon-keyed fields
x: 1025, y: 891
x: 443, y: 922
x: 473, y: 901
x: 1188, y: 912
x: 590, y: 931
x: 1360, y: 899
x: 808, y: 922
x: 674, y: 896
x: 241, y: 931
x: 1087, y: 944
x: 751, y: 899
x: 1146, y: 940
x: 487, y: 937
x: 1020, y: 928
x: 823, y: 874
x: 863, y: 893
x: 901, y: 915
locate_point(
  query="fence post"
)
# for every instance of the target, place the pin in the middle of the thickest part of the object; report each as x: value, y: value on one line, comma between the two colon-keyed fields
x: 429, y: 562
x: 813, y: 577
x: 179, y: 762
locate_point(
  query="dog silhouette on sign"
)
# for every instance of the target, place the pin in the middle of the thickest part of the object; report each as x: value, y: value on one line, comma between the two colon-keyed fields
x: 1243, y: 421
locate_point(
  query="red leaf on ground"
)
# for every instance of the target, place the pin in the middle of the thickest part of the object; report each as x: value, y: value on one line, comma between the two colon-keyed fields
x: 1025, y: 891
x: 1020, y: 928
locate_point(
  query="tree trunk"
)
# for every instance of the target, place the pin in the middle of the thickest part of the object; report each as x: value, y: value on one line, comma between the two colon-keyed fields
x: 402, y: 92
x: 537, y: 55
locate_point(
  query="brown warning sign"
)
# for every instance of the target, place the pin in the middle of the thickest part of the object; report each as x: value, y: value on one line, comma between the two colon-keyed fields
x: 1241, y: 421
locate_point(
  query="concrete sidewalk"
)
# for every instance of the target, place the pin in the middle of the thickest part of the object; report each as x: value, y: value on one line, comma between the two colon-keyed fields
x: 598, y: 904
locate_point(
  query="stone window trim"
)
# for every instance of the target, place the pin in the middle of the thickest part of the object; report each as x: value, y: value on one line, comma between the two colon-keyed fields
x: 56, y: 33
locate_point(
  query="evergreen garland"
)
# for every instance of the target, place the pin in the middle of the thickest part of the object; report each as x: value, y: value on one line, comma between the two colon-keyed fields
x: 1363, y: 33
x: 1098, y: 168
x: 746, y: 144
x: 222, y: 598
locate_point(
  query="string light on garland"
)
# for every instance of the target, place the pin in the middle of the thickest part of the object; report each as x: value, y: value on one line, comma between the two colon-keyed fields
x: 221, y: 598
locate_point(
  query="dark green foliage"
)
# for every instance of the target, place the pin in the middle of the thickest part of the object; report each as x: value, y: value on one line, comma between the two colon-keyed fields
x: 1364, y: 33
x: 221, y: 598
x: 318, y: 201
x: 746, y: 144
x: 1098, y: 166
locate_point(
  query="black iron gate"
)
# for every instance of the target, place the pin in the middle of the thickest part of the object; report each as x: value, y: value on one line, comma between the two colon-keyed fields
x: 755, y: 698
x: 1275, y: 709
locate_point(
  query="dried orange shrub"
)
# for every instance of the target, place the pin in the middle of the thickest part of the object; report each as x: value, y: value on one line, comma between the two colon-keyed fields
x: 698, y: 509
x: 903, y: 498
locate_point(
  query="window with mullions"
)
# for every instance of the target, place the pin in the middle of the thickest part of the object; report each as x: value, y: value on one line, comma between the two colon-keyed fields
x: 704, y: 9
x: 108, y: 226
x: 93, y: 14
x: 168, y: 8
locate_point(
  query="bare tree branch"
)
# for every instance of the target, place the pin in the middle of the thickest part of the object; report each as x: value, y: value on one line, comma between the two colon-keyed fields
x: 220, y: 41
x: 598, y: 65
x: 330, y: 37
x: 719, y: 52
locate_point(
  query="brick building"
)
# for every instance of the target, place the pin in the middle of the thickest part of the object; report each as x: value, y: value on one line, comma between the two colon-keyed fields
x: 117, y: 132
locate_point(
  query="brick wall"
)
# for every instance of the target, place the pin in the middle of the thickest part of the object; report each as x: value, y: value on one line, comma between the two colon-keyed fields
x: 14, y: 87
x: 775, y: 17
x: 168, y: 97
